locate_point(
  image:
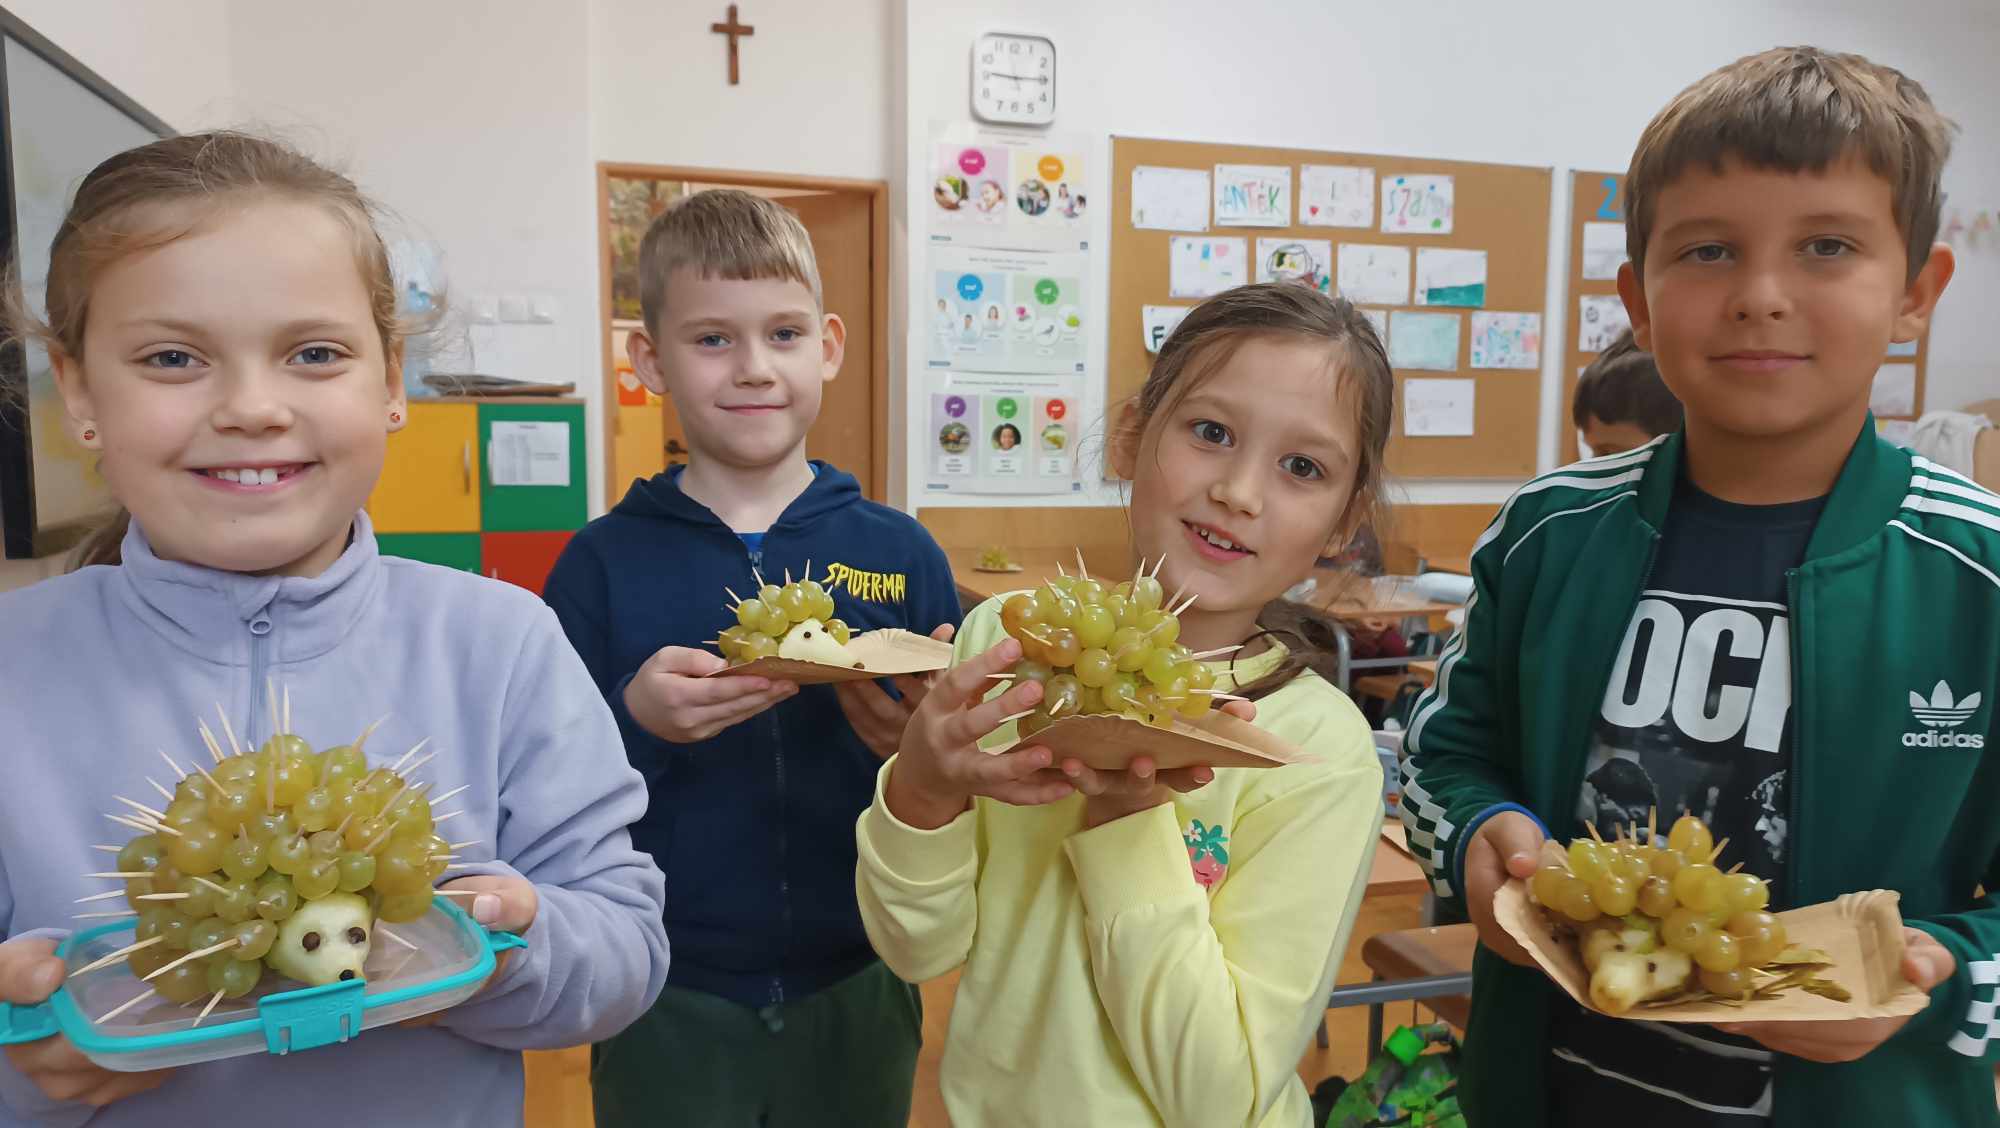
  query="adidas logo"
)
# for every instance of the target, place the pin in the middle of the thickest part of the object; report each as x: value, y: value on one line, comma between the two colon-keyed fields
x: 1939, y: 715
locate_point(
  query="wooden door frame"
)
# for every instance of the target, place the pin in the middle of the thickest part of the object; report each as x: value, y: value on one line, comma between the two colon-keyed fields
x: 878, y: 271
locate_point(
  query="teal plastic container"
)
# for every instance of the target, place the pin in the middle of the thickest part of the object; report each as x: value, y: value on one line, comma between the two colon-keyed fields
x: 452, y: 959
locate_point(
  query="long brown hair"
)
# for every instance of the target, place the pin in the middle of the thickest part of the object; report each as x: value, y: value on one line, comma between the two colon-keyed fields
x: 1204, y: 342
x: 148, y: 197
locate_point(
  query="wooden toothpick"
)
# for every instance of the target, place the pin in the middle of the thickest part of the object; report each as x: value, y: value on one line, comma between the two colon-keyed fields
x: 212, y: 1000
x: 98, y: 897
x: 103, y: 916
x: 288, y: 708
x: 382, y: 931
x: 195, y: 955
x: 125, y: 1006
x: 163, y: 896
x: 1217, y: 652
x: 457, y: 892
x: 143, y: 828
x: 228, y: 731
x: 463, y: 845
x: 164, y: 793
x: 120, y: 954
x: 107, y: 848
x: 733, y: 597
x: 127, y: 875
x: 452, y: 794
x: 208, y: 739
x: 1080, y: 569
x: 1012, y: 717
x: 141, y: 808
x: 413, y: 751
x: 1183, y: 607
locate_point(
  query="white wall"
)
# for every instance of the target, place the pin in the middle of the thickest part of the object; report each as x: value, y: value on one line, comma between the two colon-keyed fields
x: 814, y: 99
x: 172, y: 59
x: 1564, y: 83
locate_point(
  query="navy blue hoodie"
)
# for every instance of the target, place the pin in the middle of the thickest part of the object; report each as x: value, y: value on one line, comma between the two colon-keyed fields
x: 753, y: 827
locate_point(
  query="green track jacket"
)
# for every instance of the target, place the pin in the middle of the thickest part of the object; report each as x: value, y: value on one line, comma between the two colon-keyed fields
x: 1895, y: 660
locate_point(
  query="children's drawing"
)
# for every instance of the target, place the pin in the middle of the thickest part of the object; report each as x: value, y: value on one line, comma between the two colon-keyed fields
x: 1599, y: 320
x: 1201, y: 267
x: 1336, y: 196
x: 1170, y: 199
x: 1424, y: 340
x: 1603, y: 250
x: 1417, y: 205
x: 1309, y: 261
x: 1379, y: 318
x: 1253, y: 196
x: 1160, y: 323
x: 1507, y: 340
x: 1438, y: 408
x: 1449, y: 277
x: 1374, y: 274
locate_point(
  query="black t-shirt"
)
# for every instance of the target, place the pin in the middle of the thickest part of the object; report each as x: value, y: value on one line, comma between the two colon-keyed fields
x: 1697, y: 717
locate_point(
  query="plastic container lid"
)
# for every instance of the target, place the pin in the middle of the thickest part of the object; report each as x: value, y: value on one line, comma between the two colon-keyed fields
x: 448, y: 957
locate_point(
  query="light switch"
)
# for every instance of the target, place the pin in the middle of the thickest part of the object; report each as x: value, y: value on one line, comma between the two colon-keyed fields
x: 485, y: 309
x: 543, y: 309
x: 514, y: 309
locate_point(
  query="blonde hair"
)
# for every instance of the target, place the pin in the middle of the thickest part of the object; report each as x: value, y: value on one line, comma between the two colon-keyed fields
x: 723, y: 233
x: 140, y: 199
x: 1796, y: 109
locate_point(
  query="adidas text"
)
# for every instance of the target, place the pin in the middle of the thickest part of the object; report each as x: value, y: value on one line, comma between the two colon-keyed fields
x: 1934, y: 738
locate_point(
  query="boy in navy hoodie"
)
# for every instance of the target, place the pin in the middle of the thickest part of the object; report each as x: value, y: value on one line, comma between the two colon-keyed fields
x: 776, y: 1010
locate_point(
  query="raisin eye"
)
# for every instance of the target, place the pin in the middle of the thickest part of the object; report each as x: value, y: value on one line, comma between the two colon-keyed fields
x: 310, y: 941
x: 355, y: 935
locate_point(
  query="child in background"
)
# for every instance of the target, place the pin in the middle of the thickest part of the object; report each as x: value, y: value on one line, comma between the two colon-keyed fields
x: 1773, y: 619
x: 776, y: 1011
x: 1147, y: 947
x: 223, y: 330
x: 1621, y: 403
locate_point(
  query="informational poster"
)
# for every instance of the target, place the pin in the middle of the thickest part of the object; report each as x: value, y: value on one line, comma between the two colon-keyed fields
x: 529, y: 454
x: 1003, y: 306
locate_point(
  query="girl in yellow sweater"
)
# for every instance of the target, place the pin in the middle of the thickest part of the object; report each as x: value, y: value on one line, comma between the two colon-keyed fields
x: 1153, y: 947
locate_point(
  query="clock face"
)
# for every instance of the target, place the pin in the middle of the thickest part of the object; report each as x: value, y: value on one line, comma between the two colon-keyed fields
x: 1014, y: 78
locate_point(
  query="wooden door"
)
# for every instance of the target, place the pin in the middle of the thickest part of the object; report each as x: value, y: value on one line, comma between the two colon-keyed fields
x: 430, y: 480
x: 843, y: 238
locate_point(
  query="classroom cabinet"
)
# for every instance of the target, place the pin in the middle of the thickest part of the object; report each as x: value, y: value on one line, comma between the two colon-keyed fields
x: 489, y: 487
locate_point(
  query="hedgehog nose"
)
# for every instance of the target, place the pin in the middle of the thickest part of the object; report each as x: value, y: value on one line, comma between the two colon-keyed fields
x: 347, y: 975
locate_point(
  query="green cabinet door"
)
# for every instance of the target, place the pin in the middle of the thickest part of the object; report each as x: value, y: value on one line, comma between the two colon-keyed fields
x: 453, y: 550
x: 552, y: 460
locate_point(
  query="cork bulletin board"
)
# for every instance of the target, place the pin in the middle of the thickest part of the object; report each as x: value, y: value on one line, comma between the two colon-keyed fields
x: 1501, y: 211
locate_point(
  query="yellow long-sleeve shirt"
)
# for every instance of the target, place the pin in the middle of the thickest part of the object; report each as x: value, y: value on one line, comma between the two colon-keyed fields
x: 1165, y: 968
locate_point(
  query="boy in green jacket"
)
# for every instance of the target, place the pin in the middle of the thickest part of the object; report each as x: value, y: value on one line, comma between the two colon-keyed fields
x: 1771, y: 618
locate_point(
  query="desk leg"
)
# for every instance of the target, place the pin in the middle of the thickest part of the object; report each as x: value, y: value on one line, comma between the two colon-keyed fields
x: 1322, y: 1030
x: 1344, y: 657
x: 1374, y: 1028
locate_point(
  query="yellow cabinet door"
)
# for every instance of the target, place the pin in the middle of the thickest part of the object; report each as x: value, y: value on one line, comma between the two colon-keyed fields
x: 430, y: 483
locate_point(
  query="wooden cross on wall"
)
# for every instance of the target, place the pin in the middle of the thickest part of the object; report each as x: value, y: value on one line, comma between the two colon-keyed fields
x: 734, y: 29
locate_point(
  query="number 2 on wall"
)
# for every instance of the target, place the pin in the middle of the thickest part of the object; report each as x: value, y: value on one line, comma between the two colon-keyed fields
x: 1609, y: 208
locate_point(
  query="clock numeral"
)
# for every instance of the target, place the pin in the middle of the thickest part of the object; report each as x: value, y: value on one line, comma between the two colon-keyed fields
x: 1045, y: 95
x: 1045, y: 62
x: 1013, y: 48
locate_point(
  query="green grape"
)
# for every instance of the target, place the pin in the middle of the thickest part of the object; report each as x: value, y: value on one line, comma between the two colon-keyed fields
x: 270, y: 825
x: 1656, y: 898
x: 284, y: 746
x: 184, y: 984
x: 183, y: 812
x: 774, y: 622
x: 1684, y: 930
x: 319, y: 878
x: 1549, y: 885
x: 1019, y: 612
x: 356, y: 803
x: 176, y: 928
x: 1744, y: 892
x: 314, y: 810
x: 1194, y: 707
x: 1736, y: 983
x: 792, y: 601
x: 200, y: 899
x: 1182, y: 655
x: 233, y: 808
x: 759, y: 646
x: 235, y: 769
x: 357, y: 871
x: 155, y: 921
x: 1586, y: 859
x: 1052, y: 607
x: 1760, y: 935
x: 437, y: 857
x: 288, y: 855
x: 1062, y: 696
x: 750, y: 614
x: 814, y: 593
x: 1629, y: 866
x: 253, y: 939
x: 1699, y: 887
x: 1095, y: 668
x: 1616, y: 894
x: 840, y: 631
x: 1691, y: 838
x: 1200, y: 676
x: 730, y: 642
x: 411, y: 818
x: 1121, y: 693
x: 207, y: 933
x: 326, y: 844
x: 1027, y: 670
x: 403, y: 868
x: 342, y: 766
x: 1128, y: 647
x: 1147, y: 593
x: 399, y: 908
x: 1061, y: 585
x: 1088, y: 591
x: 1718, y: 951
x: 1160, y: 628
x: 1094, y: 626
x: 1159, y: 668
x: 193, y: 787
x: 198, y: 849
x: 1667, y: 863
x: 768, y: 593
x: 146, y: 961
x: 1064, y: 647
x: 236, y: 978
x: 276, y: 899
x: 294, y: 777
x: 237, y: 903
x: 142, y: 853
x: 1174, y: 691
x: 364, y: 834
x: 1579, y: 903
x: 378, y: 788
